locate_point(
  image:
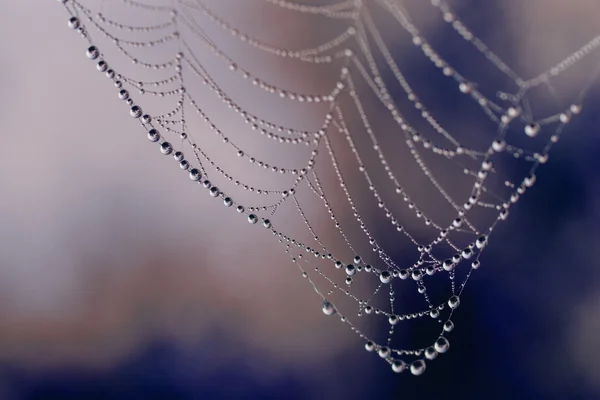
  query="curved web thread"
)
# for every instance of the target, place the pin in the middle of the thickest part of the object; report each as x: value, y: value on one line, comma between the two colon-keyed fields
x: 347, y: 157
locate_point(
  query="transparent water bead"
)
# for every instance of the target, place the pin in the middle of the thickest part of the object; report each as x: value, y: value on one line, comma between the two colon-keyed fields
x: 532, y: 129
x: 465, y: 87
x: 442, y: 345
x: 498, y: 145
x: 214, y: 191
x: 136, y: 111
x: 454, y: 302
x: 417, y: 367
x: 195, y: 174
x: 92, y: 53
x: 448, y: 265
x: 565, y: 118
x: 431, y: 353
x: 252, y: 219
x: 384, y: 352
x: 102, y: 66
x: 350, y: 270
x: 328, y: 308
x: 467, y: 253
x: 575, y: 108
x: 417, y: 275
x: 178, y: 156
x: 448, y: 326
x: 481, y: 242
x: 153, y: 135
x: 123, y: 94
x: 385, y: 276
x: 369, y: 346
x: 529, y: 181
x: 166, y: 148
x: 74, y: 23
x: 513, y: 112
x: 398, y: 366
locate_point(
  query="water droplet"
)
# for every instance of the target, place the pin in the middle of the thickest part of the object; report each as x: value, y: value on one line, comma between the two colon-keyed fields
x: 195, y: 174
x: 153, y: 135
x: 102, y: 66
x: 498, y: 145
x: 465, y: 87
x: 417, y: 367
x: 448, y: 326
x: 454, y: 302
x: 135, y: 112
x: 441, y: 345
x: 178, y: 156
x: 328, y: 308
x: 513, y: 112
x: 529, y: 180
x: 532, y: 129
x: 350, y: 269
x: 214, y: 191
x: 385, y: 276
x: 448, y: 265
x: 565, y: 118
x: 430, y: 353
x: 166, y: 148
x: 74, y: 23
x: 398, y: 366
x: 481, y: 242
x: 384, y: 352
x: 92, y: 53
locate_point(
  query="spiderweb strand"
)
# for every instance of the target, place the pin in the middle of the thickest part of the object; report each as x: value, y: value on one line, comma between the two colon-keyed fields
x: 361, y: 53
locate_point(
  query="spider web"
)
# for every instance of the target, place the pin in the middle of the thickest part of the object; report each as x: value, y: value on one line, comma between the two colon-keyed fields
x: 439, y: 187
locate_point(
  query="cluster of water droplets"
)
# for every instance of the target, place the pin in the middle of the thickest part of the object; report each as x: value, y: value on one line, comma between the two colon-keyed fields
x: 353, y: 52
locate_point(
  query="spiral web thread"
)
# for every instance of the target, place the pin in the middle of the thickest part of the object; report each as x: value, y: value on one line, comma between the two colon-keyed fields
x: 169, y: 46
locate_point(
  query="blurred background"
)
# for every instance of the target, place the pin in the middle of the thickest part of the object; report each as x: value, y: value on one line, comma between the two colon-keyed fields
x: 119, y: 280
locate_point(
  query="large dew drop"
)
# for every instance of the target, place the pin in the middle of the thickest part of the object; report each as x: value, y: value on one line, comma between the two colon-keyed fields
x: 328, y: 308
